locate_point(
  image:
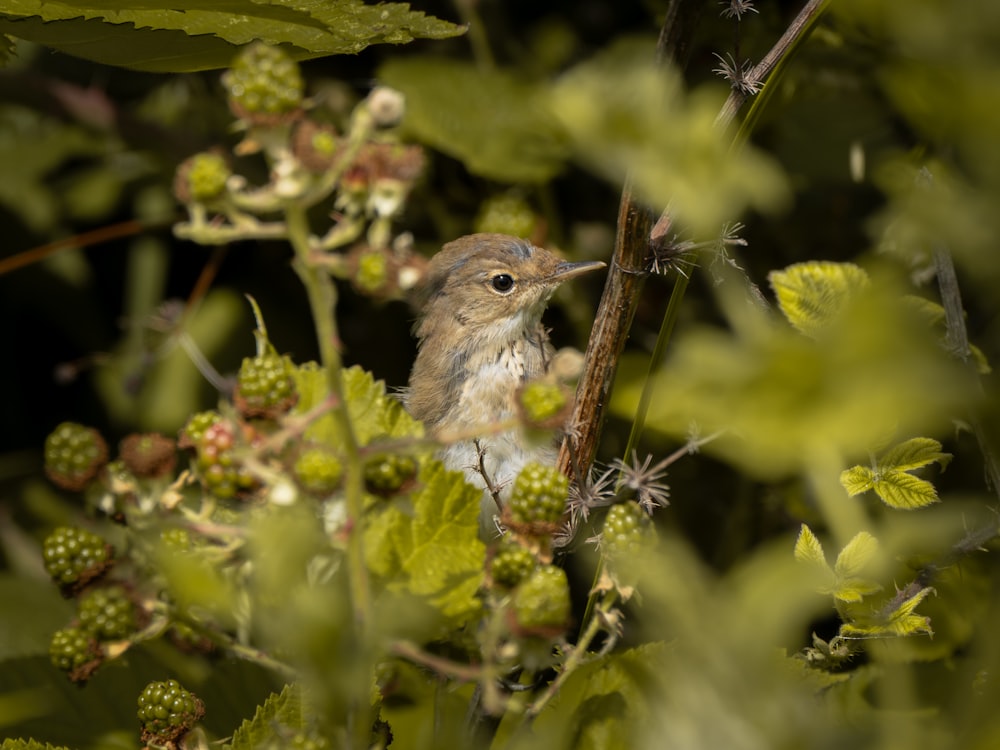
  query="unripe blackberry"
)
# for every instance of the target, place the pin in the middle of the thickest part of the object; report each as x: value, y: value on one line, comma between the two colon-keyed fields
x: 201, y: 178
x: 265, y: 386
x: 318, y: 471
x: 74, y: 651
x: 541, y: 602
x: 167, y: 711
x: 176, y: 539
x: 309, y: 741
x: 196, y: 425
x: 389, y: 474
x: 539, y: 495
x: 74, y: 557
x: 543, y: 405
x: 107, y: 613
x: 150, y: 455
x: 372, y: 272
x: 218, y: 468
x: 506, y: 214
x: 73, y: 455
x: 316, y: 146
x: 627, y: 529
x: 511, y: 565
x: 264, y: 85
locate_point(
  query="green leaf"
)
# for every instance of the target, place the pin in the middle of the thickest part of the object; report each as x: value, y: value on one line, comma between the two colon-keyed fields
x: 856, y: 555
x: 904, y: 491
x: 604, y: 705
x: 373, y: 413
x: 912, y: 454
x: 812, y: 294
x: 491, y: 121
x: 857, y: 479
x: 432, y: 551
x: 161, y: 36
x: 809, y: 550
x: 898, y: 619
x: 280, y: 715
x: 10, y: 744
x: 628, y: 115
x: 28, y: 636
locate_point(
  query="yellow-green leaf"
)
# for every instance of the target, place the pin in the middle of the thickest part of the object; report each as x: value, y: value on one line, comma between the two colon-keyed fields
x: 857, y: 479
x: 903, y: 621
x: 813, y: 294
x: 854, y: 589
x: 904, y: 491
x: 808, y: 548
x: 912, y: 454
x: 856, y: 554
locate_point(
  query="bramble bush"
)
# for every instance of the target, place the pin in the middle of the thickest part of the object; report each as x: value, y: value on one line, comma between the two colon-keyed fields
x: 288, y: 564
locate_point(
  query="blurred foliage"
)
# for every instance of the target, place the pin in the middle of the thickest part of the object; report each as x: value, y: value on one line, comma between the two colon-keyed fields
x: 785, y: 606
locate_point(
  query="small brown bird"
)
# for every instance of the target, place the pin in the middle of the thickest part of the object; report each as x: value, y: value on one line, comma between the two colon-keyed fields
x: 480, y: 338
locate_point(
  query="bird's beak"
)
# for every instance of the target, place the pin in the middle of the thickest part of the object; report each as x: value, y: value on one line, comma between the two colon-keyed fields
x: 566, y: 271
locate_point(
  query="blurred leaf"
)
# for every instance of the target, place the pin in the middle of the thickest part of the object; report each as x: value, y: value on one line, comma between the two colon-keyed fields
x: 812, y: 294
x: 781, y: 400
x: 29, y: 636
x: 856, y: 554
x: 434, y: 551
x: 604, y: 705
x: 628, y: 115
x: 165, y: 37
x: 10, y: 744
x: 199, y: 585
x: 491, y: 121
x: 279, y: 717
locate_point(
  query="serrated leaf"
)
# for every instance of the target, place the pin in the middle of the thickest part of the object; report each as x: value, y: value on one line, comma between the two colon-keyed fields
x: 857, y: 479
x: 809, y: 550
x: 277, y: 718
x: 491, y: 121
x: 811, y: 295
x: 373, y: 413
x: 856, y: 554
x: 160, y: 36
x: 904, y: 491
x: 912, y: 454
x: 900, y: 621
x: 434, y: 552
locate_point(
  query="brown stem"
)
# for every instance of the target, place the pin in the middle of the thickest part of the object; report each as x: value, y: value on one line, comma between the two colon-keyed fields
x: 625, y: 276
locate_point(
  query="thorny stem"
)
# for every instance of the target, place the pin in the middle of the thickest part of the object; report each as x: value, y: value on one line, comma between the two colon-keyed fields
x: 957, y: 342
x: 796, y: 31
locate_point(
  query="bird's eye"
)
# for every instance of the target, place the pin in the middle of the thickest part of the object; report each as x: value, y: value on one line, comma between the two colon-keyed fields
x: 502, y: 282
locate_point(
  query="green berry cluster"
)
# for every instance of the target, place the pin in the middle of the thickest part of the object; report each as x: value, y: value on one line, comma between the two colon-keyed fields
x: 372, y: 273
x: 511, y: 564
x: 541, y: 601
x: 265, y: 386
x: 204, y: 177
x: 107, y: 613
x: 263, y: 83
x: 627, y: 529
x: 389, y: 473
x: 506, y: 214
x: 192, y: 432
x: 220, y: 472
x: 539, y: 495
x: 167, y: 711
x: 542, y: 404
x: 318, y: 471
x: 71, y: 649
x: 73, y: 455
x: 73, y: 556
